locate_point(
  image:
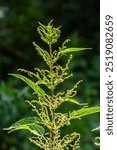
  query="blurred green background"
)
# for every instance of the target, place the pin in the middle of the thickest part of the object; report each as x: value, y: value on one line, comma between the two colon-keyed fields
x: 18, y: 23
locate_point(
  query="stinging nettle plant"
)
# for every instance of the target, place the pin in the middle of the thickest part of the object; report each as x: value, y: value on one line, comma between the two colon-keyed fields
x: 45, y: 126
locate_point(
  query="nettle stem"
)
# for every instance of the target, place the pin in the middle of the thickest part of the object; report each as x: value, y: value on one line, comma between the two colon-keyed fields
x: 47, y: 115
x: 52, y: 93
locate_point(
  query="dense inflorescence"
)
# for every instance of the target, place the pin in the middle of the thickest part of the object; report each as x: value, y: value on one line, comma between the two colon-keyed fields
x: 47, y: 122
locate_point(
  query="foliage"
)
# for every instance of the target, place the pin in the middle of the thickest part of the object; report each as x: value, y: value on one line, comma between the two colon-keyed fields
x: 16, y: 35
x: 12, y: 108
x: 47, y: 127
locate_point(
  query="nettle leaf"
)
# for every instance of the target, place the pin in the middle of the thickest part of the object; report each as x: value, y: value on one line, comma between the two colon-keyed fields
x: 29, y: 123
x: 84, y: 112
x: 69, y: 50
x: 73, y: 101
x: 35, y: 87
x: 96, y: 129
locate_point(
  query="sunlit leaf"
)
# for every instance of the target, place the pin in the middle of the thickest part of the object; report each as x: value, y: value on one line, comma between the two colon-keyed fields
x: 35, y: 87
x: 84, y: 112
x: 73, y: 101
x: 69, y: 50
x: 96, y: 129
x: 29, y: 123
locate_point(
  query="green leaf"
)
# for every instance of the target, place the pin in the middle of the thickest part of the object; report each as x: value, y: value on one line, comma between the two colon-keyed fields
x: 29, y: 123
x: 73, y: 101
x: 84, y: 112
x: 35, y: 87
x: 96, y: 129
x: 69, y: 50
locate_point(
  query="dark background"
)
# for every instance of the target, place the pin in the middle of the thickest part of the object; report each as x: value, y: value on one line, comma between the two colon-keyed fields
x: 18, y: 23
